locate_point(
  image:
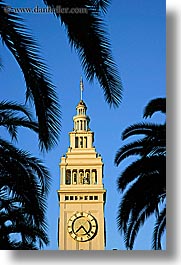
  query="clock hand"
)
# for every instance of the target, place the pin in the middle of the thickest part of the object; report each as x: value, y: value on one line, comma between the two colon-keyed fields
x: 81, y: 227
x: 84, y: 229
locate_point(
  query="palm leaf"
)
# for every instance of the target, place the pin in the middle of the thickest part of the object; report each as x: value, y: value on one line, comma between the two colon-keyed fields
x: 135, y: 224
x: 159, y: 229
x: 27, y: 179
x: 21, y: 223
x: 92, y: 45
x: 31, y: 164
x: 140, y: 167
x: 132, y: 149
x: 147, y: 129
x: 11, y: 123
x: 101, y: 4
x: 158, y: 104
x: 14, y: 107
x: 39, y: 86
x: 145, y: 190
x: 144, y: 147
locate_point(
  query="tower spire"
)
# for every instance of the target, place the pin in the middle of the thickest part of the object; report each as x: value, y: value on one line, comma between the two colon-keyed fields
x: 81, y: 87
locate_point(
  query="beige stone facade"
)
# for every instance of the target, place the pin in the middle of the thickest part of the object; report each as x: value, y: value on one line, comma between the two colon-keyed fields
x: 81, y: 193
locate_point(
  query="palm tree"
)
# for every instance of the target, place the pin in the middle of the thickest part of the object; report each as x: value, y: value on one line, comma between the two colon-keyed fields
x: 143, y: 182
x: 24, y: 185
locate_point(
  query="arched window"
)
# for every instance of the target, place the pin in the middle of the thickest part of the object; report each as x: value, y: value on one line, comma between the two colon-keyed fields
x: 87, y: 177
x: 74, y: 176
x: 81, y: 142
x: 81, y: 176
x: 68, y: 177
x: 85, y: 142
x: 76, y: 142
x: 94, y: 176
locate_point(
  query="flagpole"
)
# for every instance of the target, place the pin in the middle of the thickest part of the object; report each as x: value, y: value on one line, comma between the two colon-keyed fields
x: 81, y: 94
x: 81, y: 88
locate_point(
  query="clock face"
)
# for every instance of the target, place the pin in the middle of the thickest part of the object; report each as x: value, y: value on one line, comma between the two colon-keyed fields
x: 82, y: 226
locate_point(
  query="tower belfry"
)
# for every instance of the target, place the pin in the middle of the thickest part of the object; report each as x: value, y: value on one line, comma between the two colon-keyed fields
x: 81, y: 193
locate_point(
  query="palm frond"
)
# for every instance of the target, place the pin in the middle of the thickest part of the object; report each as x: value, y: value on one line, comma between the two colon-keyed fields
x: 147, y: 146
x: 147, y: 129
x: 39, y: 86
x: 24, y: 174
x: 11, y: 123
x: 159, y: 228
x: 141, y: 167
x: 131, y: 149
x: 135, y: 223
x: 29, y: 232
x: 158, y: 104
x: 14, y: 107
x: 14, y: 115
x: 101, y: 4
x: 146, y: 190
x: 13, y: 245
x: 92, y: 45
x: 21, y: 223
x: 31, y: 163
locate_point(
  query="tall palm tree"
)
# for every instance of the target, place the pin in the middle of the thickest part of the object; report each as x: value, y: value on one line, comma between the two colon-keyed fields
x: 143, y: 182
x: 24, y: 185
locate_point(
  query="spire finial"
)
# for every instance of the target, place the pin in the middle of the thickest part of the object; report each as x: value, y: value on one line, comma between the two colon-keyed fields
x: 81, y: 87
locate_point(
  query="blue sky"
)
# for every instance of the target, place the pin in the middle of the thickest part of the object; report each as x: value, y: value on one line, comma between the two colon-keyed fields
x: 137, y: 34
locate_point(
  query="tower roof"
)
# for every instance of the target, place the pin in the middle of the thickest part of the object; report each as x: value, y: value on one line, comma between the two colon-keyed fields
x: 81, y: 104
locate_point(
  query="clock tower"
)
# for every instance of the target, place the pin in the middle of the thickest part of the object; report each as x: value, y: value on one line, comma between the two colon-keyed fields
x: 81, y: 194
